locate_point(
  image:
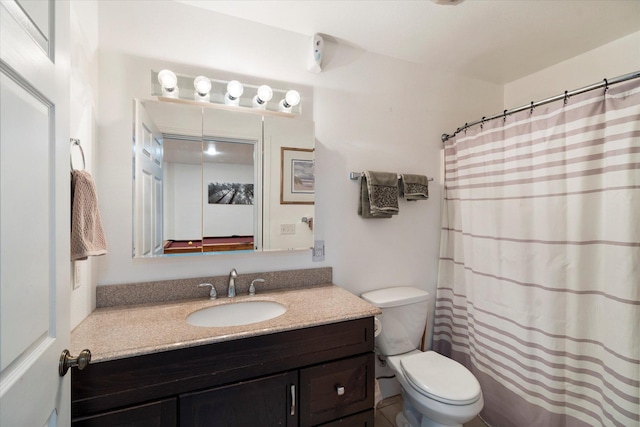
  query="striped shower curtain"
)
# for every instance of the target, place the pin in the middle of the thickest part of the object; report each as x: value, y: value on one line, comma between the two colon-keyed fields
x: 539, y: 275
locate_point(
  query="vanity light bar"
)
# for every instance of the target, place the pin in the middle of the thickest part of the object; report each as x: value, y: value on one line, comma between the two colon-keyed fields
x: 166, y: 83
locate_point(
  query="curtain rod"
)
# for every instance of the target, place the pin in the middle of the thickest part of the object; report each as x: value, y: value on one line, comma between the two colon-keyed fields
x: 605, y: 83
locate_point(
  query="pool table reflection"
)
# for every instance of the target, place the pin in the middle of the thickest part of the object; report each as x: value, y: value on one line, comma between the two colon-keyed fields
x: 211, y: 244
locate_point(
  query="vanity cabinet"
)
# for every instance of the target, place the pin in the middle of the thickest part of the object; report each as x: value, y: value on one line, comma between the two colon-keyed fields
x: 265, y: 399
x: 316, y: 376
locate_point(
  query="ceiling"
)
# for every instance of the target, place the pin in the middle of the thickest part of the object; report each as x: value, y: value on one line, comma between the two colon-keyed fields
x: 494, y: 40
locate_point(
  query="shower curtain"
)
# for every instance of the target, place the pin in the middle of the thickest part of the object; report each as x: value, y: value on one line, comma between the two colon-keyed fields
x: 539, y: 274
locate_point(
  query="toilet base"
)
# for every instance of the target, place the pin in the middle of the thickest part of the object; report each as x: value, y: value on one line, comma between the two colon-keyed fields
x: 411, y: 417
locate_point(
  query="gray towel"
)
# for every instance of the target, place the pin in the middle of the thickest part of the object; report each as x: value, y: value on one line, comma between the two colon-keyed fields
x: 414, y: 187
x: 87, y: 235
x: 378, y: 195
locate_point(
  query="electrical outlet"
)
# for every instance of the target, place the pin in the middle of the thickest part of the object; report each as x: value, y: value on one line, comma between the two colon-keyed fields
x: 287, y: 229
x: 318, y: 250
x: 76, y: 275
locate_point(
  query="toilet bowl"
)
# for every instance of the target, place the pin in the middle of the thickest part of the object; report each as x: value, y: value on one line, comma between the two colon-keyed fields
x: 441, y: 390
x: 437, y: 391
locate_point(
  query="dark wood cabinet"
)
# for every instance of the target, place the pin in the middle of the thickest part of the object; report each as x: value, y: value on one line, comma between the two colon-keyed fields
x: 333, y: 390
x: 156, y: 414
x: 271, y: 400
x: 323, y: 375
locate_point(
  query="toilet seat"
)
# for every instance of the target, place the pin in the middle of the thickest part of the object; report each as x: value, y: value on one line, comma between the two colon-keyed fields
x: 440, y: 378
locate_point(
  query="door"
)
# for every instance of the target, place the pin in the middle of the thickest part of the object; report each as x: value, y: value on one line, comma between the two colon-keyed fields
x: 148, y: 185
x: 34, y: 212
x: 270, y: 401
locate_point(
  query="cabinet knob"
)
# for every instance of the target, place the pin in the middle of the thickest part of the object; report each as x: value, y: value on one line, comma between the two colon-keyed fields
x: 340, y: 390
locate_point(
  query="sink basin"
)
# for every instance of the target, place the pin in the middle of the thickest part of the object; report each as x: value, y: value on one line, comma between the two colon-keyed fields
x: 236, y: 314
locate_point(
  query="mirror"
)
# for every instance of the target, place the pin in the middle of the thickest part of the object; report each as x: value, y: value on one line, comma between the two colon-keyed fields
x: 211, y: 180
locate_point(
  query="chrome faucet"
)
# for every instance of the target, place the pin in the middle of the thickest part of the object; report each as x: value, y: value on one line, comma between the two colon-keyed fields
x: 233, y: 275
x: 252, y: 287
x: 212, y: 292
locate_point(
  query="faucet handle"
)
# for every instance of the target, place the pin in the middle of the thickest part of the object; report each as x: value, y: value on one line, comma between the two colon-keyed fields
x: 212, y: 293
x: 252, y: 287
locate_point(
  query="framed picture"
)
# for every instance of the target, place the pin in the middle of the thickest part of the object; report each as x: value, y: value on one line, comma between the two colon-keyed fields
x: 230, y: 193
x: 297, y: 179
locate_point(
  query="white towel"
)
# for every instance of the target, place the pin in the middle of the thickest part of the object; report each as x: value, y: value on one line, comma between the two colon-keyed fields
x: 87, y: 235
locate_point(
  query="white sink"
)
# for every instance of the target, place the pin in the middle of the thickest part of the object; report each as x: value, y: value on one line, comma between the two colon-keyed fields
x: 236, y: 314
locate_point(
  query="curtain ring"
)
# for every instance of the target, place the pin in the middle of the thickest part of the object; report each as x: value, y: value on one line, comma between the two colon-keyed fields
x: 606, y: 85
x: 566, y: 97
x: 482, y: 123
x: 466, y: 125
x: 504, y: 119
x: 531, y: 111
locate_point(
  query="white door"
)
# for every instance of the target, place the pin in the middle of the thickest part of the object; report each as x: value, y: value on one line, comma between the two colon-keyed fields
x: 34, y: 212
x: 148, y: 185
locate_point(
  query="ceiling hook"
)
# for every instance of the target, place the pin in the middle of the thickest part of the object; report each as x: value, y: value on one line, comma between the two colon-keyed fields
x: 566, y: 97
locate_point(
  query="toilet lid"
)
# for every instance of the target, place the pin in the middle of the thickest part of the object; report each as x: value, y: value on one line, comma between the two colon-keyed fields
x: 441, y: 378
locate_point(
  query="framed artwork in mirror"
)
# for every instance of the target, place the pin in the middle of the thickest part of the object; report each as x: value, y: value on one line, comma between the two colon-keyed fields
x: 297, y: 178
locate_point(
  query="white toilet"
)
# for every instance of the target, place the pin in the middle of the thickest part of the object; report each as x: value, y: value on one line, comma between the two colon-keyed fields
x: 437, y: 391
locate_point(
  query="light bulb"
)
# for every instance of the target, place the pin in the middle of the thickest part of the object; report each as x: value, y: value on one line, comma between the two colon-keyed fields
x: 202, y: 87
x: 234, y: 91
x: 169, y: 82
x: 291, y: 99
x: 265, y: 93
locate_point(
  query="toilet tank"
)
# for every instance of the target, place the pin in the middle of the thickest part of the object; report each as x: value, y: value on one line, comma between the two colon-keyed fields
x: 403, y: 318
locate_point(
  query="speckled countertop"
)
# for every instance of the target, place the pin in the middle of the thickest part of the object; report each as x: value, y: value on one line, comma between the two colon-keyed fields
x: 119, y: 332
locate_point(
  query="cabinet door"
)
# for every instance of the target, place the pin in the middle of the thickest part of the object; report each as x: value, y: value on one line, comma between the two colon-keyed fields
x: 265, y: 402
x: 155, y: 414
x: 336, y: 389
x: 363, y: 419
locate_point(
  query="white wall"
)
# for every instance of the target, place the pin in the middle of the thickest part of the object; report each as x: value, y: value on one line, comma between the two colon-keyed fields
x: 182, y: 201
x: 613, y: 59
x: 370, y: 112
x: 83, y: 125
x: 227, y: 220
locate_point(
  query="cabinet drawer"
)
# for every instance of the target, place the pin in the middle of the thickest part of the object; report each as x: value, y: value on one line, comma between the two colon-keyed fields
x: 337, y: 389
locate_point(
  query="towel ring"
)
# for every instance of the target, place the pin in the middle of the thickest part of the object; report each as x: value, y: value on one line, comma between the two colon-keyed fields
x: 76, y: 142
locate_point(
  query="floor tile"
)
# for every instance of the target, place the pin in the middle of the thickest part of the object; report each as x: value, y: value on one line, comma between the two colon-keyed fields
x: 381, y: 421
x: 476, y: 422
x: 391, y: 411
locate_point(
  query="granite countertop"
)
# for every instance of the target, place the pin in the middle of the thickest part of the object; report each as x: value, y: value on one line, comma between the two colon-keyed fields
x: 120, y: 332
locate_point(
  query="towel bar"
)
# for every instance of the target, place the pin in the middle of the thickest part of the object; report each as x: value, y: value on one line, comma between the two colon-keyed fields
x: 76, y: 142
x: 355, y: 175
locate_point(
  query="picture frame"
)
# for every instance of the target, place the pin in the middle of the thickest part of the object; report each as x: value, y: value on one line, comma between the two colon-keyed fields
x: 297, y: 177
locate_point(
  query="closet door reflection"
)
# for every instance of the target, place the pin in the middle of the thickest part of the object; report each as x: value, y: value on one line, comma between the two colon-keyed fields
x: 180, y: 216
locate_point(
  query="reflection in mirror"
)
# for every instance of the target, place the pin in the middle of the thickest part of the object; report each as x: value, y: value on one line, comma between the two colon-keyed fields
x: 202, y: 185
x: 282, y: 205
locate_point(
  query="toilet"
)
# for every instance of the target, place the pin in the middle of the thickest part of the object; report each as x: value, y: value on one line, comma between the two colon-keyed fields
x: 437, y: 391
